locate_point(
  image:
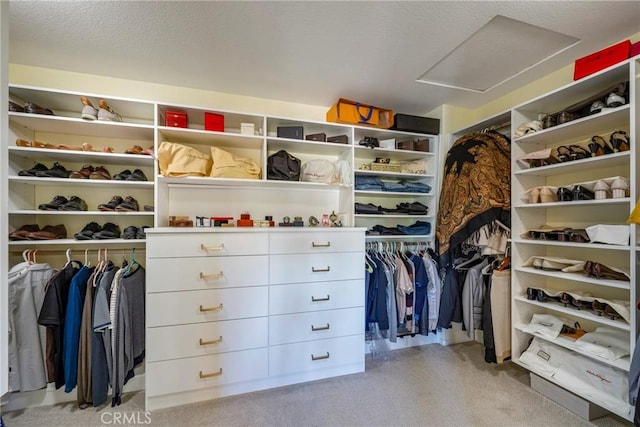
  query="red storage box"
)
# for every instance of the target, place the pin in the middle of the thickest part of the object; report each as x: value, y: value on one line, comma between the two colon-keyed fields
x: 176, y: 119
x: 602, y: 59
x: 213, y: 121
x: 635, y: 50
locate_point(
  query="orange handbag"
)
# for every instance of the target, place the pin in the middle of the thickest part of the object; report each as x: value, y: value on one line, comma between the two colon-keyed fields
x: 356, y: 113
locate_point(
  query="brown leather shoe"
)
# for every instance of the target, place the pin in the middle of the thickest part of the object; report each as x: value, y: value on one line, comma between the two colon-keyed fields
x: 601, y: 271
x: 49, y: 232
x: 83, y: 173
x: 100, y: 173
x: 22, y: 232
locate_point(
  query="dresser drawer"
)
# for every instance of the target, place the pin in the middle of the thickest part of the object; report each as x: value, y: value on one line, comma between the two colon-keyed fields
x: 190, y: 244
x: 316, y: 355
x: 302, y: 297
x: 176, y: 308
x: 291, y: 328
x: 176, y: 274
x: 317, y: 242
x: 201, y: 339
x: 316, y: 267
x: 173, y: 376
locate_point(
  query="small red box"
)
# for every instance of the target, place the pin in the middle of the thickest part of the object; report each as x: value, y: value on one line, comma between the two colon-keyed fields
x: 176, y: 119
x: 213, y: 121
x: 602, y: 59
x: 635, y: 50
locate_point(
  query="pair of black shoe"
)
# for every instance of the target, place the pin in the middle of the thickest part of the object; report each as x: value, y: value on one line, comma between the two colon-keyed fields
x: 41, y: 171
x: 117, y: 203
x: 579, y: 192
x: 93, y: 231
x: 133, y: 232
x: 61, y: 203
x: 29, y: 107
x: 127, y: 175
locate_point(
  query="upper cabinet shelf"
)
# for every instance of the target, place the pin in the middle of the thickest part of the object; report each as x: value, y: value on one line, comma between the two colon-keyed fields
x: 206, y: 137
x: 82, y: 156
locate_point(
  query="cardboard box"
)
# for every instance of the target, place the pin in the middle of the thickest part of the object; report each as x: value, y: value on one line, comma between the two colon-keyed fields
x: 291, y: 132
x: 566, y: 399
x: 321, y: 137
x: 213, y: 121
x: 339, y: 139
x: 177, y: 119
x: 247, y: 129
x: 602, y: 59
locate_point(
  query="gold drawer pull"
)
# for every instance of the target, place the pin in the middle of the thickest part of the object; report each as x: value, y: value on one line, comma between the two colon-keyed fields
x: 320, y: 328
x: 324, y: 356
x: 211, y: 276
x: 218, y: 341
x: 213, y: 374
x: 211, y: 248
x: 314, y: 299
x: 203, y: 308
x: 319, y: 270
x: 320, y: 245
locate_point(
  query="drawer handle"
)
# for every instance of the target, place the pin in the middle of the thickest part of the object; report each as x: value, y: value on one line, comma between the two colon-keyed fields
x: 211, y: 248
x: 203, y: 308
x: 218, y: 341
x: 319, y: 270
x: 314, y: 299
x: 320, y: 328
x: 320, y: 245
x: 213, y: 374
x: 324, y: 356
x: 211, y: 276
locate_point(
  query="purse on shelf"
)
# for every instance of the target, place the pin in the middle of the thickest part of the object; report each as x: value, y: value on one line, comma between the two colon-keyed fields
x: 283, y: 166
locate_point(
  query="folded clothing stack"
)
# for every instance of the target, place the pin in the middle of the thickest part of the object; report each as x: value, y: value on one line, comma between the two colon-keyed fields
x: 417, y: 228
x: 373, y: 183
x: 415, y: 208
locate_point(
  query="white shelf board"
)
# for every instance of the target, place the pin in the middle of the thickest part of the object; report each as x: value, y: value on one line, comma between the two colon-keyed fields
x: 627, y: 416
x: 74, y: 243
x: 362, y: 131
x: 408, y: 154
x: 77, y: 126
x: 568, y: 343
x: 78, y: 213
x: 620, y: 159
x: 301, y: 146
x: 81, y: 156
x: 588, y: 126
x: 390, y: 194
x: 194, y: 181
x: 572, y: 245
x: 576, y: 277
x: 79, y: 182
x: 574, y: 312
x: 400, y: 237
x: 206, y: 137
x: 621, y: 200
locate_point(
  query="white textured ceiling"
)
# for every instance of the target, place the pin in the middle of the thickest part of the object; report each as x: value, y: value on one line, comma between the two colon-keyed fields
x: 301, y: 51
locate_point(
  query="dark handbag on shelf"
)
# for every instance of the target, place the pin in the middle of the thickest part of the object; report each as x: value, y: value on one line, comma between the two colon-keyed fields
x: 283, y: 166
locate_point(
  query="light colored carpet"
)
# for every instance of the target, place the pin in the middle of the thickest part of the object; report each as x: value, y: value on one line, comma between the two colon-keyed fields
x: 429, y: 385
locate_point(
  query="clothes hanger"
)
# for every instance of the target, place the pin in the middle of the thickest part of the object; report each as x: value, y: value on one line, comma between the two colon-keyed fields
x: 87, y: 263
x: 133, y: 266
x: 469, y: 263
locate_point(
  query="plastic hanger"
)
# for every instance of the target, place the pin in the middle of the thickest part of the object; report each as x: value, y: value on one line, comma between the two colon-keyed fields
x: 133, y: 265
x: 468, y: 263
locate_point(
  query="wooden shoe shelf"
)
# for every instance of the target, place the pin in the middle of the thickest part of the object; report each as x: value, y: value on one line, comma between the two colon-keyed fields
x: 579, y: 214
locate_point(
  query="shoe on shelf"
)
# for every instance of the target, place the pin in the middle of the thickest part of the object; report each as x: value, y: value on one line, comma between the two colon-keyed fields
x: 57, y: 171
x: 614, y: 100
x: 111, y: 205
x: 105, y: 113
x: 54, y: 204
x: 130, y: 232
x: 89, y: 112
x: 601, y: 190
x: 38, y: 167
x: 22, y: 232
x: 136, y: 149
x: 619, y: 141
x: 148, y: 208
x: 75, y: 203
x: 33, y: 108
x: 15, y: 108
x: 83, y: 173
x: 87, y: 232
x: 137, y: 175
x: 596, y: 107
x: 564, y: 194
x: 109, y: 231
x: 122, y: 176
x: 141, y: 234
x: 547, y: 195
x: 129, y: 204
x: 620, y: 188
x: 100, y: 172
x: 598, y: 146
x: 49, y: 232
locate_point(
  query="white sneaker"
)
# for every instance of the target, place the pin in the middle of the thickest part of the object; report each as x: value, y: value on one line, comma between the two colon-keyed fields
x: 107, y: 114
x: 89, y: 112
x: 614, y: 100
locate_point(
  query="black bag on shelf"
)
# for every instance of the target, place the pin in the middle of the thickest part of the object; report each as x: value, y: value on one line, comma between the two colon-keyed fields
x: 283, y: 166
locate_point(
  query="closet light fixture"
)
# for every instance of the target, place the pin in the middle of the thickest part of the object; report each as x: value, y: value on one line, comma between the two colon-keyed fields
x: 499, y: 51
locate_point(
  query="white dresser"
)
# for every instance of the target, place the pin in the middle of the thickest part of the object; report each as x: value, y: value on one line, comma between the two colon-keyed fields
x: 234, y: 310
